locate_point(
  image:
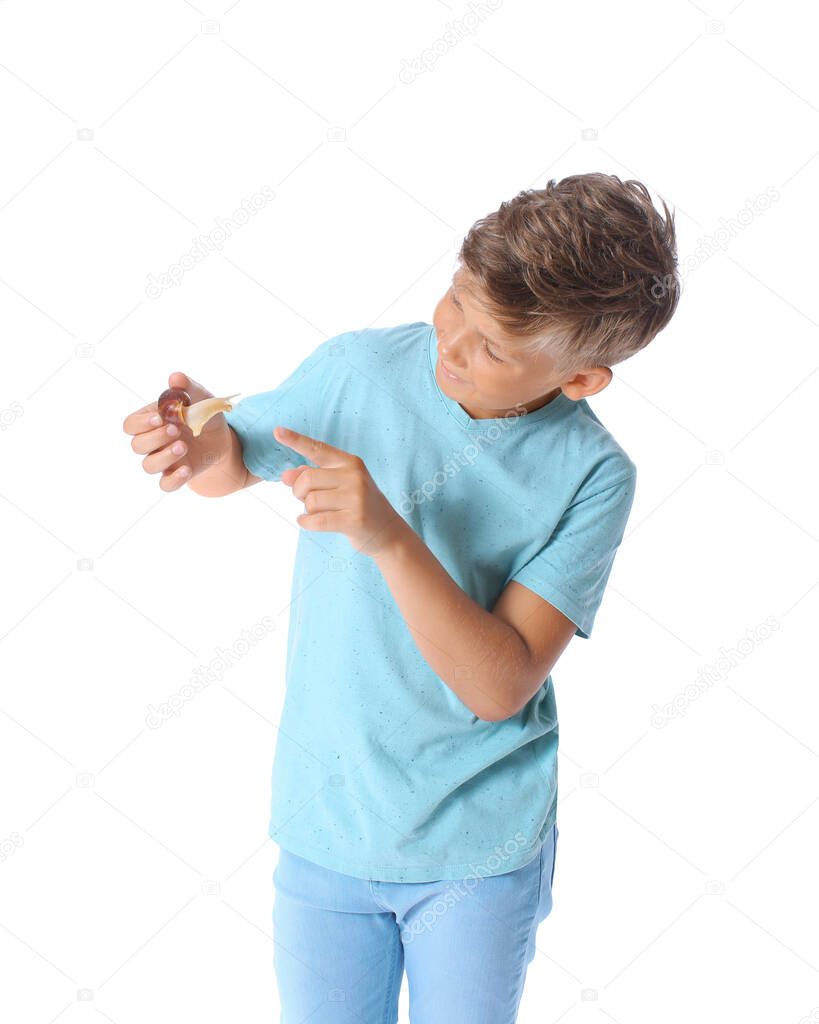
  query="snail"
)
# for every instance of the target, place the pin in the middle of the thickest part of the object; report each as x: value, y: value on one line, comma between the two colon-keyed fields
x: 174, y: 406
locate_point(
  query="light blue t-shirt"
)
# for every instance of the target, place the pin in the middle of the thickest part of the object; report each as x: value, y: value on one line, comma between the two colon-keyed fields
x: 380, y: 771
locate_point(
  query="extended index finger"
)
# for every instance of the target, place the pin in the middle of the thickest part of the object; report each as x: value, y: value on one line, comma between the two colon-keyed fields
x: 320, y: 452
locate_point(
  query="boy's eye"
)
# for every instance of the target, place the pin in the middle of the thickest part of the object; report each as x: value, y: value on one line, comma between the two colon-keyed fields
x: 489, y: 352
x: 491, y: 355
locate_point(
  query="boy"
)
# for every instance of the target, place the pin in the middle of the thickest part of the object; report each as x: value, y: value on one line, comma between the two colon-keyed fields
x: 463, y: 508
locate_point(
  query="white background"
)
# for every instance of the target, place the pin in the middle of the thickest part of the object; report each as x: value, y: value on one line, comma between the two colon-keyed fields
x: 135, y: 873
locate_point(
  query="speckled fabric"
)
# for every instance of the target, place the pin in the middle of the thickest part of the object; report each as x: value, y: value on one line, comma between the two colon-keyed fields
x: 380, y: 771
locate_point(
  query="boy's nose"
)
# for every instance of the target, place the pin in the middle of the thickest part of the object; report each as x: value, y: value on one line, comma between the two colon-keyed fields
x: 451, y: 352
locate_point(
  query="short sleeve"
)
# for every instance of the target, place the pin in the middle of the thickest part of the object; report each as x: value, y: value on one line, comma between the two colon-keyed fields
x: 571, y: 570
x: 291, y: 404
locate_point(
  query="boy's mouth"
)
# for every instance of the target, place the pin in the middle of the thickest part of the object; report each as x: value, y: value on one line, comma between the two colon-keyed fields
x: 449, y: 374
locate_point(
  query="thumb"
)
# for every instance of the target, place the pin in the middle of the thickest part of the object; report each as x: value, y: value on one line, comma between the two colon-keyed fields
x: 295, y: 473
x: 194, y: 388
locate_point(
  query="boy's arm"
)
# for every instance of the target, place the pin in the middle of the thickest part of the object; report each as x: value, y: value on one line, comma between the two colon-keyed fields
x: 494, y: 661
x: 227, y: 474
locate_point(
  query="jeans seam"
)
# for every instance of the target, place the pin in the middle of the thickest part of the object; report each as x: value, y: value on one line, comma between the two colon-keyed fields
x: 540, y: 876
x: 389, y: 1005
x: 533, y: 925
x: 554, y: 855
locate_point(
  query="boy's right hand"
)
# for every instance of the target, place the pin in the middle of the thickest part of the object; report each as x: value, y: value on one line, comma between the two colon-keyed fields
x: 159, y: 442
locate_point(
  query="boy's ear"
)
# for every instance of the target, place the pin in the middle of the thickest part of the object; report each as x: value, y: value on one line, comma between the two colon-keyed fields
x: 588, y: 382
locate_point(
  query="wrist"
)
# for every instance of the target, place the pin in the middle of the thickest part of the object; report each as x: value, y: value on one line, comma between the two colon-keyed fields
x: 396, y: 546
x: 219, y: 468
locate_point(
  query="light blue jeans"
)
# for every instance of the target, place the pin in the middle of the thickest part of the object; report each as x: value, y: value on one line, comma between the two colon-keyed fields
x: 341, y: 944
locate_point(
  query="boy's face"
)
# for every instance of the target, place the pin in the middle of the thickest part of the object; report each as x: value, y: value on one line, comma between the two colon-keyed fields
x: 495, y: 375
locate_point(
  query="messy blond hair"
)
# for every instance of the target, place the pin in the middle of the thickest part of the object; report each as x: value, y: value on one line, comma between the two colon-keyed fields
x: 584, y: 269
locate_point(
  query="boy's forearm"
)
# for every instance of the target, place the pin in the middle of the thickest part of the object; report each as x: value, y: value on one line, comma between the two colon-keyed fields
x: 227, y: 474
x: 479, y: 656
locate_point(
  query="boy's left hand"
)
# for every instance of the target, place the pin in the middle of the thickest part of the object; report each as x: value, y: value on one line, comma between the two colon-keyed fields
x: 339, y: 494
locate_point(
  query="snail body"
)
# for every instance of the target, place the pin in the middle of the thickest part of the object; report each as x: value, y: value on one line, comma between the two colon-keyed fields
x: 174, y: 406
